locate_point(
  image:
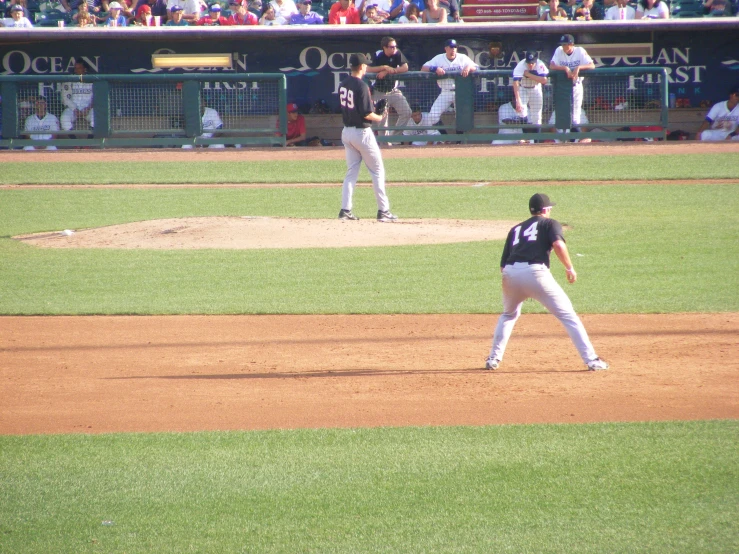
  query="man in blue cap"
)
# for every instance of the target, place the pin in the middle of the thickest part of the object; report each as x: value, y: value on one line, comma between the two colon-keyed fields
x: 450, y: 62
x: 214, y: 17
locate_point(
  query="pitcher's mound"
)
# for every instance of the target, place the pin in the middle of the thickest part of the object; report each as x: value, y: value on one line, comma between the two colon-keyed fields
x: 271, y: 232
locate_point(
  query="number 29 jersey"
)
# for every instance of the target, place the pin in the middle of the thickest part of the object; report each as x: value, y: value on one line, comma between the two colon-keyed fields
x: 531, y: 241
x: 356, y: 102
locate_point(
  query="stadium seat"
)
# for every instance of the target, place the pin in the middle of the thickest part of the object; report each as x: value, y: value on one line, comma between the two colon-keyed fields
x: 51, y: 19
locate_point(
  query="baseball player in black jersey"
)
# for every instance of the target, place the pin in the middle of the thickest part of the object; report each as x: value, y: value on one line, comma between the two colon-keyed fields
x: 357, y: 112
x: 388, y: 62
x: 525, y: 268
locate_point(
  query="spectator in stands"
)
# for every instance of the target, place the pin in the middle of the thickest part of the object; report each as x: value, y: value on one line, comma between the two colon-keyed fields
x: 156, y: 7
x: 284, y: 8
x: 240, y: 15
x: 396, y: 9
x: 452, y: 8
x: 717, y: 8
x: 85, y: 19
x: 305, y: 16
x: 722, y: 120
x: 22, y: 4
x: 420, y: 119
x: 191, y: 9
x: 255, y: 7
x: 270, y: 17
x: 371, y: 15
x: 412, y: 14
x: 143, y: 16
x: 621, y: 11
x: 343, y: 12
x: 176, y: 18
x: 383, y: 9
x: 83, y: 14
x: 296, y: 135
x: 213, y: 17
x: 588, y: 11
x: 41, y: 122
x: 652, y: 9
x: 77, y: 99
x: 115, y: 19
x: 554, y: 12
x: 16, y: 19
x: 433, y: 13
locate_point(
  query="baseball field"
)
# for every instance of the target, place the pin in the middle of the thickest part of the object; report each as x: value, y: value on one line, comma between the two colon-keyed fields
x: 196, y: 355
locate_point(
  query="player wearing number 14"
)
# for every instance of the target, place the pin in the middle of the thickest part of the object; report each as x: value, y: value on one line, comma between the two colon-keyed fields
x: 525, y: 268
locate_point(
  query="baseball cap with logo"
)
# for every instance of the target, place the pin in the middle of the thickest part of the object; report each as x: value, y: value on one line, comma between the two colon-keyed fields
x: 215, y: 8
x: 175, y: 9
x: 531, y: 57
x: 16, y: 8
x: 538, y: 202
x: 292, y: 107
x: 451, y: 43
x: 355, y: 60
x: 567, y: 39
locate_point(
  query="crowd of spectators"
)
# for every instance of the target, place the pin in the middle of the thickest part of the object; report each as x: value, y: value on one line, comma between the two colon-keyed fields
x: 142, y: 13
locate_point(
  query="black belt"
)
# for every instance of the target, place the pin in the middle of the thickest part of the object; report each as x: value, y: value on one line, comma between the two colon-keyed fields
x: 357, y: 127
x: 528, y: 87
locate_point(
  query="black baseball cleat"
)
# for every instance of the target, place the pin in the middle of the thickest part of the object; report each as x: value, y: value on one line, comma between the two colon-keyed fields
x: 347, y: 215
x: 386, y: 217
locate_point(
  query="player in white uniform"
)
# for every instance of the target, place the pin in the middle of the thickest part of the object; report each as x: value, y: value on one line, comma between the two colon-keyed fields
x: 507, y: 116
x: 77, y: 99
x: 211, y: 122
x: 420, y: 119
x: 528, y: 77
x: 525, y: 269
x: 583, y: 121
x: 450, y: 61
x: 40, y: 124
x: 723, y: 119
x: 572, y: 60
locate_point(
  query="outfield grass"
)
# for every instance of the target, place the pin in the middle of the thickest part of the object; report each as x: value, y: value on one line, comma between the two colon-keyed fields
x: 651, y: 487
x: 564, y: 168
x: 637, y: 249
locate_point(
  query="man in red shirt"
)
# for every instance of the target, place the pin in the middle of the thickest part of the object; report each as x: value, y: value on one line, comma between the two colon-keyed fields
x: 295, y: 127
x: 344, y: 12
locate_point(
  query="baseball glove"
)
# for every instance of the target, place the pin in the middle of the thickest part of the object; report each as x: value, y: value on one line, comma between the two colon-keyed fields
x: 381, y: 106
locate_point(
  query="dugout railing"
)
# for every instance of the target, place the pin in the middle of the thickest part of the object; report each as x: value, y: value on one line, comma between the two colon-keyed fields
x: 618, y: 104
x: 150, y: 110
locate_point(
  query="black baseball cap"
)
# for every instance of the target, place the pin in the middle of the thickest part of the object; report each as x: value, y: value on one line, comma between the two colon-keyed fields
x: 531, y: 57
x: 355, y: 60
x: 567, y: 39
x: 538, y: 202
x: 451, y: 42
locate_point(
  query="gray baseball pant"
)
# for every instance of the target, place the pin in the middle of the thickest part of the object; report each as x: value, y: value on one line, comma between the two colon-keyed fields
x: 360, y: 144
x: 396, y: 101
x: 522, y: 281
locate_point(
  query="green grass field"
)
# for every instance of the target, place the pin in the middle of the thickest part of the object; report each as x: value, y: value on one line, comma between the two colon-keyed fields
x: 649, y: 487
